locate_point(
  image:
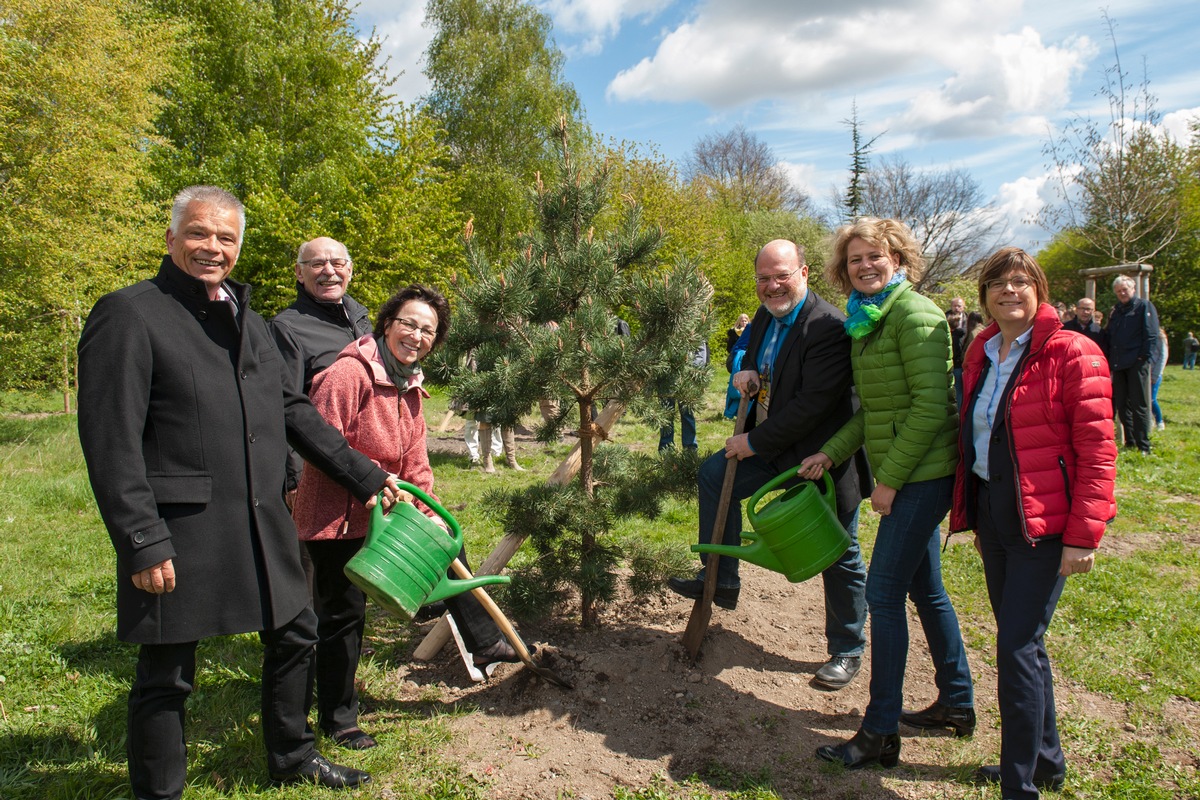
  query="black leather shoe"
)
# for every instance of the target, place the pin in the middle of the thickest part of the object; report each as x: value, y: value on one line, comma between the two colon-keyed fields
x: 863, y: 749
x: 938, y: 717
x: 354, y: 739
x: 725, y: 597
x: 837, y: 672
x: 1052, y: 782
x: 500, y: 651
x: 321, y: 771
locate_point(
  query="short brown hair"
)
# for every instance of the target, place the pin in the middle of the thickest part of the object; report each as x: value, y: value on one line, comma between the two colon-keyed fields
x: 431, y: 297
x: 1006, y: 260
x: 891, y: 236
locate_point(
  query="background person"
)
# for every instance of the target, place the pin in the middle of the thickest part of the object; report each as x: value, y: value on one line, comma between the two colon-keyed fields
x: 1035, y: 483
x: 184, y: 409
x: 1085, y: 322
x: 1191, y: 346
x: 797, y: 365
x: 373, y: 394
x: 1158, y: 363
x: 1132, y: 332
x: 908, y: 422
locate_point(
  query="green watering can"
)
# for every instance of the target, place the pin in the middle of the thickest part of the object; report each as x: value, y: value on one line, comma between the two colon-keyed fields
x: 797, y: 534
x: 403, y: 564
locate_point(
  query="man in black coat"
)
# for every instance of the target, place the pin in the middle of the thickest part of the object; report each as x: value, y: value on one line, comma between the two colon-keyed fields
x: 798, y: 366
x: 319, y: 324
x: 1085, y: 323
x: 184, y: 418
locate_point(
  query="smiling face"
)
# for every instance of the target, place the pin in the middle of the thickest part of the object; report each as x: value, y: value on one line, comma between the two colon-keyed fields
x: 410, y: 333
x: 781, y: 278
x: 869, y: 266
x: 323, y: 281
x: 206, y: 244
x: 1011, y: 306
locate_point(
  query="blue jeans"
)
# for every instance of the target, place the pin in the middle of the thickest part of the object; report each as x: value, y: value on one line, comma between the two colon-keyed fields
x: 687, y: 428
x: 1158, y: 417
x: 1189, y: 360
x: 907, y: 562
x: 845, y: 581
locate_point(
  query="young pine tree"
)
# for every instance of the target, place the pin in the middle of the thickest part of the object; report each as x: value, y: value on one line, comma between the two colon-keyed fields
x: 544, y: 323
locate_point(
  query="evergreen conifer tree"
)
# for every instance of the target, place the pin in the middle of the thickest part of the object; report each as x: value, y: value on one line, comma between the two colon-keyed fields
x: 543, y: 323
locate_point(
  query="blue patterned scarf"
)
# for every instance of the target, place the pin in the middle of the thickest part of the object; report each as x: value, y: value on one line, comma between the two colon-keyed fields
x: 863, y: 312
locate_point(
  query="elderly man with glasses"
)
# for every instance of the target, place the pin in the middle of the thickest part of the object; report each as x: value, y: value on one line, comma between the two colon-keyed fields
x: 797, y: 366
x: 319, y: 324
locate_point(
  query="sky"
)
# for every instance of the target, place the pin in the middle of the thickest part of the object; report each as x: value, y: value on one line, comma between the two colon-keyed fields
x: 961, y: 84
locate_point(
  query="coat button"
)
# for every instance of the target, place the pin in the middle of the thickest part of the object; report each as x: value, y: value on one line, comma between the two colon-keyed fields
x: 253, y: 438
x: 201, y: 315
x: 139, y: 537
x: 256, y: 502
x: 244, y: 375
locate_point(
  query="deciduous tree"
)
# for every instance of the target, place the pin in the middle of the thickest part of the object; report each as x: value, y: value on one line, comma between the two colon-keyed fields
x: 740, y: 172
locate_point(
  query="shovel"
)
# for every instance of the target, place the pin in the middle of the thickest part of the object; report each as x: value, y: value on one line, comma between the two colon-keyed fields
x: 702, y: 610
x: 493, y: 610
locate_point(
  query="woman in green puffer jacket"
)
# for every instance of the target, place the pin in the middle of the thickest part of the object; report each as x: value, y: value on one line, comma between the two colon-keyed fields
x: 909, y: 424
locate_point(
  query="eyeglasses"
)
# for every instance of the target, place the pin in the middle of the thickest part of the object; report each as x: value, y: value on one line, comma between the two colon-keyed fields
x: 319, y: 263
x: 408, y: 327
x: 783, y: 277
x: 1019, y: 283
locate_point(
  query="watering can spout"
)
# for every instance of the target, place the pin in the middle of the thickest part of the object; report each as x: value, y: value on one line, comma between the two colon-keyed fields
x: 451, y: 587
x: 754, y: 551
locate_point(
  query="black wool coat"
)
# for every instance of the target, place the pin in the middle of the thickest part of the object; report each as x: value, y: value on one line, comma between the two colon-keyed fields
x: 811, y: 397
x: 184, y: 416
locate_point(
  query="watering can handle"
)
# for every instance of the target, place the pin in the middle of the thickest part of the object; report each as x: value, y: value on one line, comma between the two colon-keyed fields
x: 455, y: 530
x: 782, y: 478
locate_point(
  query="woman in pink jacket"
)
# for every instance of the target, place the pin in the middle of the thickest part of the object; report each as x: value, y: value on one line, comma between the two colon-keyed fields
x: 372, y: 393
x: 1035, y: 483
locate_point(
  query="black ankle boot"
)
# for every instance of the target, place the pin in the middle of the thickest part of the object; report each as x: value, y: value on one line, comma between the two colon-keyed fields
x: 863, y: 749
x: 938, y: 716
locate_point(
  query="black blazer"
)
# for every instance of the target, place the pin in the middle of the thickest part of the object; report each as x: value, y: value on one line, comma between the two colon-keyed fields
x: 184, y: 417
x: 812, y: 395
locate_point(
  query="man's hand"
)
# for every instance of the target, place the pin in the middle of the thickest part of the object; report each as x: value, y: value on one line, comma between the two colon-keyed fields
x: 158, y: 579
x: 746, y: 381
x: 738, y: 447
x: 391, y: 494
x: 1076, y: 560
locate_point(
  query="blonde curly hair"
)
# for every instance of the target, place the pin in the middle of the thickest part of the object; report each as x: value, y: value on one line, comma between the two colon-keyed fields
x: 889, y: 235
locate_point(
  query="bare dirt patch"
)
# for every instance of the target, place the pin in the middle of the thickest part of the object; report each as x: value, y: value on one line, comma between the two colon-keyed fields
x: 746, y: 709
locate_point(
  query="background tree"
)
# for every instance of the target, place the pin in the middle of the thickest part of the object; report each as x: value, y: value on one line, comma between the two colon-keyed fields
x: 1116, y: 179
x: 740, y: 173
x: 566, y: 274
x: 945, y: 210
x: 497, y: 88
x: 75, y: 121
x: 852, y: 202
x: 284, y: 104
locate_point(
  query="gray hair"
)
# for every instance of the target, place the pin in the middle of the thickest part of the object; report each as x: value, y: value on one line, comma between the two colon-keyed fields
x: 1117, y: 281
x: 210, y: 196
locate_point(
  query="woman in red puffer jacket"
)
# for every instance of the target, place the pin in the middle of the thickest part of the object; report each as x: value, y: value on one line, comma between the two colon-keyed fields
x: 1035, y: 483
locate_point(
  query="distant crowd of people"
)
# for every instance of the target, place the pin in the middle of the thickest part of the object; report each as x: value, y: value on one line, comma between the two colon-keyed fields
x: 234, y: 463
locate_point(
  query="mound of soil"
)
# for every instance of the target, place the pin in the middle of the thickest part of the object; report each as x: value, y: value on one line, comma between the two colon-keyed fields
x: 746, y: 711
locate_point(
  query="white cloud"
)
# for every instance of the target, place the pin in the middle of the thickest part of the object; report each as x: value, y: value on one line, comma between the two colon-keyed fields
x: 400, y: 26
x: 1178, y: 123
x: 1019, y: 202
x: 597, y: 21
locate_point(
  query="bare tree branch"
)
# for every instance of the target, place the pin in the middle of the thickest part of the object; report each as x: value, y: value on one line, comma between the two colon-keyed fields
x: 738, y: 170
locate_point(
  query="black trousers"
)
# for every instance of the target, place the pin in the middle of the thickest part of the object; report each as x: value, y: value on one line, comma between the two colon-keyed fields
x: 1023, y: 586
x: 164, y: 678
x: 1131, y: 404
x: 341, y: 615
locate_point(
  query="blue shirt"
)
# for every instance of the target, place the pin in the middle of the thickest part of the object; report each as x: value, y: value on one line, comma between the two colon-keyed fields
x: 990, y: 392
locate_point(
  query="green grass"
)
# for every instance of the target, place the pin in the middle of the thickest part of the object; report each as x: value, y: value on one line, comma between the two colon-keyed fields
x: 1129, y: 631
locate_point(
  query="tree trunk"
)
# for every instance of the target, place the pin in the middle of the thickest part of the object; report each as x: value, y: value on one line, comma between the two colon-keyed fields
x: 587, y: 431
